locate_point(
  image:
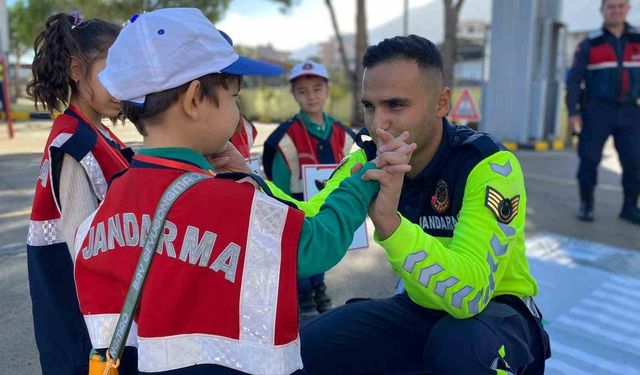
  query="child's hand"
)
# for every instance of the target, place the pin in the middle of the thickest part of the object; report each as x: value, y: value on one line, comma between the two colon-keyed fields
x: 229, y: 160
x: 249, y: 180
x: 393, y: 160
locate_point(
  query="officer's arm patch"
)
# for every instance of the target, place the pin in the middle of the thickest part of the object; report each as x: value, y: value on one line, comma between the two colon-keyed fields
x: 504, y: 209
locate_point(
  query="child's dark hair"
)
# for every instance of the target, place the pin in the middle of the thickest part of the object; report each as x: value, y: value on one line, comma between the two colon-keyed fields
x: 157, y: 103
x: 62, y: 39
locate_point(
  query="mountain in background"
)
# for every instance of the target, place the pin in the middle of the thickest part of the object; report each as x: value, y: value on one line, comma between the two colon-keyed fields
x: 427, y: 20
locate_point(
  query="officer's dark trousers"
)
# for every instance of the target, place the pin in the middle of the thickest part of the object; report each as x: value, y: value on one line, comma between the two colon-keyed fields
x: 600, y: 120
x: 396, y: 336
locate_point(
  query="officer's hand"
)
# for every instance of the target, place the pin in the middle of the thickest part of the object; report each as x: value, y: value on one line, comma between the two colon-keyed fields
x: 575, y: 122
x: 393, y: 152
x: 391, y: 155
x: 229, y: 160
x: 393, y: 162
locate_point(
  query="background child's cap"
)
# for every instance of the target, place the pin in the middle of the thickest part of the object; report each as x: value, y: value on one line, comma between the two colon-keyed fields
x: 308, y: 68
x: 167, y: 48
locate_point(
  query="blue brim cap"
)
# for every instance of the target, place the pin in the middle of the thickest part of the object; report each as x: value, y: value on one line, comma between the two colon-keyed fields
x: 250, y: 67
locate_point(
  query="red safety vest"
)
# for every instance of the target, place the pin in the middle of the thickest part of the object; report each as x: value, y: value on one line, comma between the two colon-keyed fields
x: 59, y: 328
x: 222, y: 286
x: 608, y: 78
x: 298, y: 148
x: 244, y: 137
x: 72, y: 134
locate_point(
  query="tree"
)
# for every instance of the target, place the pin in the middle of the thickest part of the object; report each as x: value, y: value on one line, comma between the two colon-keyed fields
x: 354, y: 77
x: 361, y: 47
x: 27, y: 17
x: 450, y: 46
x: 25, y: 21
x: 121, y: 10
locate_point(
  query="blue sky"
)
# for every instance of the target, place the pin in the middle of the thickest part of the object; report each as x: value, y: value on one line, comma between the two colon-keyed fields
x: 257, y: 22
x: 254, y: 22
x: 260, y: 22
x: 261, y: 7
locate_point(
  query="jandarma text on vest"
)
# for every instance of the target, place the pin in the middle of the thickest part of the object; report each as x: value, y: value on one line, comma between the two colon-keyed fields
x: 438, y: 222
x: 124, y: 231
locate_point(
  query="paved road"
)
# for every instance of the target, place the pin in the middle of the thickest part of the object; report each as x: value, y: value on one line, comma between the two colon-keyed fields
x: 588, y: 273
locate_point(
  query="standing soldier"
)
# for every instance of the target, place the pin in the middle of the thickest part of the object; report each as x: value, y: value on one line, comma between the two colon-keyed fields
x: 608, y: 63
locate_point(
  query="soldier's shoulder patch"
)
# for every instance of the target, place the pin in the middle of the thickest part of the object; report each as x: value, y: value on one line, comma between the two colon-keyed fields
x: 504, y: 209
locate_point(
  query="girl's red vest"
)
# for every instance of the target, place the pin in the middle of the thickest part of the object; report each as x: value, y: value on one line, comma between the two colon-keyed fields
x: 60, y: 331
x: 221, y: 289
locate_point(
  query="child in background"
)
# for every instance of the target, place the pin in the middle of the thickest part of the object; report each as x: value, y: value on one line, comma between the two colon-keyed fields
x: 80, y: 159
x: 309, y: 137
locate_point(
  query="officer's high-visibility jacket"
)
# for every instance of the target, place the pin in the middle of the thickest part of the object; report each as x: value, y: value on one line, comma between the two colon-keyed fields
x: 461, y: 238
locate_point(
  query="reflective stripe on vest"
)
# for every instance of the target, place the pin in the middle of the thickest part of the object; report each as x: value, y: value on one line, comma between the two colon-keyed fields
x: 290, y: 155
x: 48, y: 232
x: 45, y: 232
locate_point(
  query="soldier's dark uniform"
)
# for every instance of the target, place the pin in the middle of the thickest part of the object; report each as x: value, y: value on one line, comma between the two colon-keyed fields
x: 609, y: 103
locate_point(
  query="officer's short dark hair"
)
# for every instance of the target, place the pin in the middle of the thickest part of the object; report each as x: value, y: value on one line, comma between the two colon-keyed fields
x: 411, y: 47
x: 604, y: 2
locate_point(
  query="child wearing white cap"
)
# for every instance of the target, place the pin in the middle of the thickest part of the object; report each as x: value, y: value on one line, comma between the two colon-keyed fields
x: 309, y: 137
x: 219, y: 295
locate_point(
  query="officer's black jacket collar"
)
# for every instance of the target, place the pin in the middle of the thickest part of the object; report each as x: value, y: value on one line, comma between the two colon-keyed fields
x: 369, y: 147
x: 627, y: 29
x: 449, y: 139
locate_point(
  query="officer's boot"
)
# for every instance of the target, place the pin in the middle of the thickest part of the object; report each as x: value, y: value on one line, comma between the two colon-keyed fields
x: 585, y: 213
x: 630, y: 210
x: 322, y: 299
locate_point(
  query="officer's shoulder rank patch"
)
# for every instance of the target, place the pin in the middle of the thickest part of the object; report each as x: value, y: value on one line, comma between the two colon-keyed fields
x: 504, y: 209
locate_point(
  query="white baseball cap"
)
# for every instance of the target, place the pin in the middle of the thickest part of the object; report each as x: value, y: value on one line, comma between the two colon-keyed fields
x: 167, y: 48
x: 308, y: 68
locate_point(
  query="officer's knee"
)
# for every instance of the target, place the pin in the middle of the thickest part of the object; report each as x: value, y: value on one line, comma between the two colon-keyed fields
x: 590, y: 159
x: 631, y: 164
x: 457, y: 346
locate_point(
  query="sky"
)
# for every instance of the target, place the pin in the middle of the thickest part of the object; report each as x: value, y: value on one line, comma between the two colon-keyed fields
x: 258, y: 22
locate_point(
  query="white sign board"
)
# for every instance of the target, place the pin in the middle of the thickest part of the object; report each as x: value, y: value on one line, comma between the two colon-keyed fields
x: 313, y: 179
